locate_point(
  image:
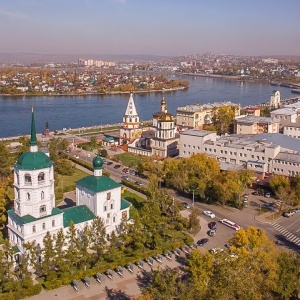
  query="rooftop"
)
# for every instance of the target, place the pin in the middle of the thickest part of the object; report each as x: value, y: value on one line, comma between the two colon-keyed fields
x: 77, y: 214
x: 28, y: 218
x: 98, y: 183
x: 254, y: 119
x: 196, y: 132
x: 208, y: 106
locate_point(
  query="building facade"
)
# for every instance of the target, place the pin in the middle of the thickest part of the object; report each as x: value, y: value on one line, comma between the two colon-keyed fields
x: 262, y: 153
x: 131, y: 128
x: 198, y: 115
x: 255, y: 125
x: 34, y: 213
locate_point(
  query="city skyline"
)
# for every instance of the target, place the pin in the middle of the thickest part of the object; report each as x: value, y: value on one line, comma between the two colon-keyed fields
x: 167, y: 28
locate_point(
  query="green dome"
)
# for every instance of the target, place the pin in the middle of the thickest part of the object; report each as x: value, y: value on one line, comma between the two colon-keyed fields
x: 33, y: 161
x: 97, y: 162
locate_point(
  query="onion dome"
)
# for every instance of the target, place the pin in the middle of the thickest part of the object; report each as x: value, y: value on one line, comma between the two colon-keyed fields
x: 97, y: 163
x: 166, y: 117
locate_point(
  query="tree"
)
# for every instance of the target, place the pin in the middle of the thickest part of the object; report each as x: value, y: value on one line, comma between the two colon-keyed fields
x: 5, y: 162
x: 194, y: 222
x: 72, y: 252
x: 48, y: 254
x: 223, y: 118
x: 103, y: 152
x: 98, y: 238
x: 93, y: 141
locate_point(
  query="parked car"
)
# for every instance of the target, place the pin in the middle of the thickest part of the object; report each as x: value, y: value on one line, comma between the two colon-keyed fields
x: 117, y: 166
x: 212, y: 225
x: 215, y: 250
x: 125, y: 177
x: 202, y: 242
x: 138, y: 183
x: 268, y: 205
x: 267, y: 195
x: 212, y: 232
x: 186, y: 205
x: 209, y: 214
x: 109, y: 163
x: 289, y: 213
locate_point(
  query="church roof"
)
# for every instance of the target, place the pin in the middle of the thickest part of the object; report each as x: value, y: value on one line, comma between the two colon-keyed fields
x: 130, y: 110
x: 166, y: 117
x: 77, y: 214
x: 28, y: 218
x: 33, y: 161
x: 125, y: 204
x: 97, y: 183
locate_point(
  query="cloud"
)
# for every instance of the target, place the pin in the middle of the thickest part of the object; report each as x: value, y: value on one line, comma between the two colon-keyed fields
x: 13, y: 15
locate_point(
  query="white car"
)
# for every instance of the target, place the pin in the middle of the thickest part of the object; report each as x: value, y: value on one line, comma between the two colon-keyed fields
x: 230, y: 224
x: 209, y: 214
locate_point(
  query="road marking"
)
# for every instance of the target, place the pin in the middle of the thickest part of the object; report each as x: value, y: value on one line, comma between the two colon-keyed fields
x: 289, y: 235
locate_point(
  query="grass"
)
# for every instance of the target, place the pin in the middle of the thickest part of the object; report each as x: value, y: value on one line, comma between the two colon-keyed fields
x: 129, y: 159
x: 136, y: 200
x: 67, y: 183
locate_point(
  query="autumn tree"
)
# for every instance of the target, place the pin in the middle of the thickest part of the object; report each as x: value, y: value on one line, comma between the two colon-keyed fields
x: 223, y: 118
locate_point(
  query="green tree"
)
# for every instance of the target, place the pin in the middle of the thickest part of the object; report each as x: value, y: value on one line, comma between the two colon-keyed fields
x: 72, y: 253
x: 103, y: 152
x: 48, y: 254
x: 223, y: 119
x: 93, y: 141
x: 98, y: 238
x: 5, y: 162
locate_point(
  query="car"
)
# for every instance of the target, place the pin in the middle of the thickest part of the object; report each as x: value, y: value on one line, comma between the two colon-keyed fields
x: 209, y: 214
x: 138, y: 183
x: 202, y: 242
x: 297, y: 209
x: 186, y: 205
x: 76, y: 156
x: 215, y: 250
x: 117, y: 166
x: 289, y: 213
x: 109, y: 163
x: 125, y: 177
x: 267, y: 195
x: 227, y: 245
x: 212, y: 232
x: 268, y: 205
x: 88, y: 155
x: 125, y: 170
x: 230, y: 224
x: 212, y: 225
x: 132, y: 172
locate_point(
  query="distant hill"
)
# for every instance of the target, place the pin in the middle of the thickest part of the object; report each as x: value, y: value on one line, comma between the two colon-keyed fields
x: 32, y: 58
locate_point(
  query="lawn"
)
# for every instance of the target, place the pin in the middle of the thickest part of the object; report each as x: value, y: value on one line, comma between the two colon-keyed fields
x: 66, y: 183
x: 129, y: 159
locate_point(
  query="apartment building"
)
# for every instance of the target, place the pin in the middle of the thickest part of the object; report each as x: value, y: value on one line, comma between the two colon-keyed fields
x: 264, y: 153
x: 255, y: 125
x: 197, y: 115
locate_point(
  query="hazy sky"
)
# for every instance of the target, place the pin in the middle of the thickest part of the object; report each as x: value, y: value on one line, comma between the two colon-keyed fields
x: 162, y: 27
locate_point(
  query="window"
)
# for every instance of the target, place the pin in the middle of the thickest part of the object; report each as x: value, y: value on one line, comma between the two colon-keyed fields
x: 105, y: 208
x: 53, y: 223
x: 108, y: 216
x: 114, y: 219
x: 28, y: 196
x: 42, y: 195
x: 27, y: 179
x: 112, y: 206
x: 33, y: 229
x: 42, y: 209
x: 108, y: 196
x: 44, y: 226
x: 41, y: 176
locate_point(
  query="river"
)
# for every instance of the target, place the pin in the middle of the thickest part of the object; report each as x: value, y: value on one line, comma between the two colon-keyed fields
x: 84, y: 111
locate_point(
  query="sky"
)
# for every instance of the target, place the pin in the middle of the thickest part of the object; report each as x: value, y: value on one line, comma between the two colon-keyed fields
x: 152, y: 27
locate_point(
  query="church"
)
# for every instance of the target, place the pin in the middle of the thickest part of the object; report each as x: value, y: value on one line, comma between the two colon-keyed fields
x: 160, y: 139
x: 34, y: 213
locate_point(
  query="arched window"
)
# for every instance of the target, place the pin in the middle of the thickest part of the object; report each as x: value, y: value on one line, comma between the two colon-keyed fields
x: 42, y: 209
x: 130, y: 120
x: 44, y: 226
x: 53, y: 223
x: 28, y: 196
x: 41, y: 176
x: 27, y: 179
x: 42, y: 195
x: 33, y: 229
x: 112, y: 205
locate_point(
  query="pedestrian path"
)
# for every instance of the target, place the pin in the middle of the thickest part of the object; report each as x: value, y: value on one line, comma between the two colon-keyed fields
x: 286, y: 233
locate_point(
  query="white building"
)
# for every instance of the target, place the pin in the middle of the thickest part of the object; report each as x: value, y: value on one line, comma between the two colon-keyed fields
x: 275, y: 99
x: 263, y: 153
x: 131, y: 128
x: 34, y: 213
x: 255, y: 125
x: 161, y: 139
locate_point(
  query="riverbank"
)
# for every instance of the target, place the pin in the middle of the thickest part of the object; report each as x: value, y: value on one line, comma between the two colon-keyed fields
x: 95, y: 93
